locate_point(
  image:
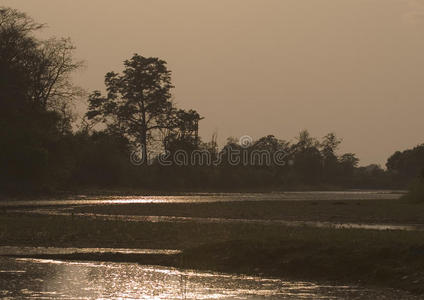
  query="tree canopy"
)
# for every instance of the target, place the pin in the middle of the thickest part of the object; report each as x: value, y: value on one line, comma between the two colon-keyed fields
x: 137, y: 102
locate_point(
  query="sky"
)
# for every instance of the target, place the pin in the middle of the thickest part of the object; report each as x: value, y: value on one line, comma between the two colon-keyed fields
x: 353, y: 67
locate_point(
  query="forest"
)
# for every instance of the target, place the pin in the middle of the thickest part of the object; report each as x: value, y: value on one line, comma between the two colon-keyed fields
x: 45, y: 147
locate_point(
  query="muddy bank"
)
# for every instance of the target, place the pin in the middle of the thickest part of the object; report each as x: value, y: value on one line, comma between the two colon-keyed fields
x: 399, y: 267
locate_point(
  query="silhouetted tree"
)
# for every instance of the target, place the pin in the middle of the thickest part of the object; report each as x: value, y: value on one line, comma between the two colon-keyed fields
x: 329, y: 146
x: 34, y: 75
x: 307, y: 159
x: 407, y: 164
x: 348, y: 162
x: 38, y: 147
x: 182, y: 130
x: 39, y: 70
x: 137, y: 102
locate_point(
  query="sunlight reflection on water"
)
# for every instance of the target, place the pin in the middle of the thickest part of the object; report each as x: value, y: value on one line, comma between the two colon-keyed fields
x: 208, y: 220
x: 15, y: 250
x: 55, y: 279
x: 217, y: 197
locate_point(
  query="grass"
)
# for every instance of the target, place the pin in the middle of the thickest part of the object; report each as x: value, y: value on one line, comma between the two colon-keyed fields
x: 396, y: 265
x: 381, y: 258
x: 352, y: 211
x: 416, y: 192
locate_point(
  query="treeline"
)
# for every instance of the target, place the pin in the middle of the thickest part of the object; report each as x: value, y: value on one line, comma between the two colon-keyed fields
x: 407, y: 168
x: 44, y: 148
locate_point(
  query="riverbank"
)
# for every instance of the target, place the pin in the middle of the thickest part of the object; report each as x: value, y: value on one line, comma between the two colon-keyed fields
x: 346, y: 256
x: 344, y: 262
x: 387, y: 211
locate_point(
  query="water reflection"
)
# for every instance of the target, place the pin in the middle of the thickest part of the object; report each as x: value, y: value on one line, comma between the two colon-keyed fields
x: 54, y: 279
x: 14, y: 250
x: 206, y: 220
x: 217, y: 197
x: 65, y: 207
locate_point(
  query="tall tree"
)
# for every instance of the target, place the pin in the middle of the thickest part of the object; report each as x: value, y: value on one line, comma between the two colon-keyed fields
x: 137, y: 102
x: 51, y: 71
x: 17, y: 48
x: 34, y: 89
x: 37, y: 72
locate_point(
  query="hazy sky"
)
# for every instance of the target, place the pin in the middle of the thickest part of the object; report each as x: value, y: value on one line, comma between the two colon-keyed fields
x: 355, y: 67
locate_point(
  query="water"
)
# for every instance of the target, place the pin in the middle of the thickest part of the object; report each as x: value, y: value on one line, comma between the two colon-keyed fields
x: 29, y: 278
x: 57, y: 279
x: 64, y: 207
x: 14, y: 250
x: 216, y: 197
x: 206, y: 220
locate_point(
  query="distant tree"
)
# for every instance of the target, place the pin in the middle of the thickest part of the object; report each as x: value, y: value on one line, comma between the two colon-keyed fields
x: 137, y: 102
x: 271, y: 144
x: 305, y: 141
x: 408, y: 164
x: 308, y: 165
x: 329, y: 146
x: 182, y: 130
x: 330, y: 143
x: 211, y: 147
x: 349, y: 159
x: 348, y: 163
x: 307, y: 159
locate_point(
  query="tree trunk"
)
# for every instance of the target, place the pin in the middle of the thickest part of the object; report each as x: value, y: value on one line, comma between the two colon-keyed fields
x: 144, y: 134
x: 144, y: 146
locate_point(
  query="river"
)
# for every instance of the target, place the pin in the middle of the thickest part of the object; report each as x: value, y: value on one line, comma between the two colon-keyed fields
x: 31, y: 278
x: 28, y: 278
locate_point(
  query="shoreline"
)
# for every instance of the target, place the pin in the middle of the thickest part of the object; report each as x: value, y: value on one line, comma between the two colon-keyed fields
x: 97, y: 193
x: 388, y: 258
x: 313, y: 270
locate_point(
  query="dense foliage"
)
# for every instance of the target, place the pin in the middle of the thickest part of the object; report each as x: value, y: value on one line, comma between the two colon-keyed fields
x: 39, y: 150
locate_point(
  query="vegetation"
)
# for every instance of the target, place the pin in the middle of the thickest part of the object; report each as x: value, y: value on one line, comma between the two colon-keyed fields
x: 416, y: 192
x: 381, y: 258
x: 396, y: 211
x: 137, y: 102
x: 407, y: 165
x: 125, y: 134
x: 35, y: 95
x: 125, y: 141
